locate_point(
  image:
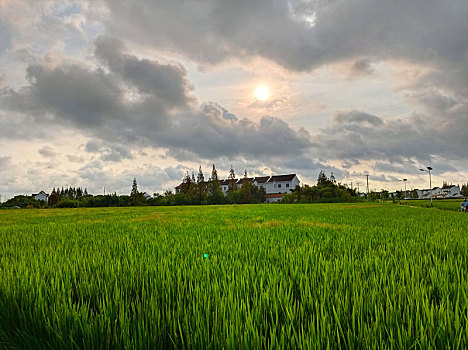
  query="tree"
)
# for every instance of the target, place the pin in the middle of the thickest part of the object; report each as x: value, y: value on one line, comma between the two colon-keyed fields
x: 246, y: 190
x: 258, y: 194
x: 214, y: 174
x: 134, y: 191
x: 215, y: 194
x: 54, y: 198
x: 232, y: 179
x: 186, y: 181
x: 464, y: 190
x: 200, y: 177
x: 384, y: 195
x: 201, y: 186
x: 136, y: 198
x: 322, y: 178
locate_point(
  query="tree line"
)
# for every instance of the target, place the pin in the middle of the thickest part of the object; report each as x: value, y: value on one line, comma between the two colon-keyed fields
x: 327, y: 190
x: 198, y: 191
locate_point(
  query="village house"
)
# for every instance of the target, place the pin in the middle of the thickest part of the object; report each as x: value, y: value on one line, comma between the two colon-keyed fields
x: 446, y: 191
x: 275, y: 186
x: 147, y: 195
x: 41, y: 196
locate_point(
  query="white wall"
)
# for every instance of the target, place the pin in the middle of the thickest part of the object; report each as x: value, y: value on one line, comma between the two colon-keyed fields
x: 41, y: 197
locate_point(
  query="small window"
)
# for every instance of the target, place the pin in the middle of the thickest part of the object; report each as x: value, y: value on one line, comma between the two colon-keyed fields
x: 279, y: 185
x: 287, y: 185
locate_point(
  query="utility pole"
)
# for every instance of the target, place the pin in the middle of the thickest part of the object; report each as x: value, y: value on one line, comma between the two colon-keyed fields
x: 404, y: 180
x: 104, y: 190
x: 367, y: 179
x: 357, y: 183
x: 430, y: 181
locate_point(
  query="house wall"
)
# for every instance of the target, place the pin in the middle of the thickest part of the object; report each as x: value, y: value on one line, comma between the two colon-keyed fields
x: 270, y: 187
x: 453, y: 191
x: 282, y: 186
x: 41, y: 197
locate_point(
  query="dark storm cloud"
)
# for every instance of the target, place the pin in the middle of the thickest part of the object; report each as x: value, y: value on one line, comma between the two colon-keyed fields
x: 302, y: 35
x: 358, y: 135
x: 73, y: 94
x: 168, y: 82
x: 211, y: 135
x: 283, y: 32
x: 162, y: 115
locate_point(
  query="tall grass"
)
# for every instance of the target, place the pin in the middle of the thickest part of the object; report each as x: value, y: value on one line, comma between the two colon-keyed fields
x: 294, y: 276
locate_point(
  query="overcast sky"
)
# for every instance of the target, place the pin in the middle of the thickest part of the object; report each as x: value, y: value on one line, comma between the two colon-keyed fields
x: 94, y: 93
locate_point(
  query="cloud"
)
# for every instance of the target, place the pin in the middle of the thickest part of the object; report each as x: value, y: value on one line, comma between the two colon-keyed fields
x: 213, y: 107
x: 210, y: 32
x: 4, y: 161
x: 357, y: 117
x: 63, y: 76
x: 113, y: 152
x: 47, y: 152
x: 359, y: 135
x: 95, y: 101
x: 75, y: 158
x: 167, y: 82
x: 362, y: 67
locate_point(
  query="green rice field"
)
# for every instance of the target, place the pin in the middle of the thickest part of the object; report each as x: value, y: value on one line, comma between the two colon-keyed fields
x: 228, y: 277
x: 444, y: 204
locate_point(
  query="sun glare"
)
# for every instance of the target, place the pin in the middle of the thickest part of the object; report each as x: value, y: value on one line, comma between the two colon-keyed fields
x: 261, y: 93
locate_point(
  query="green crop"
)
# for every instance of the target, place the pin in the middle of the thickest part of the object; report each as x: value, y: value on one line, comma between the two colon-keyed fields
x: 445, y: 204
x: 249, y: 276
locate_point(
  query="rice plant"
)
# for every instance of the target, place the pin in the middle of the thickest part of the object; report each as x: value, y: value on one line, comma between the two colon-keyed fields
x: 250, y: 276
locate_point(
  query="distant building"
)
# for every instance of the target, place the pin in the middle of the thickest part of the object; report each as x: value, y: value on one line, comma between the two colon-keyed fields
x: 147, y: 195
x: 446, y: 191
x: 275, y: 186
x: 41, y: 196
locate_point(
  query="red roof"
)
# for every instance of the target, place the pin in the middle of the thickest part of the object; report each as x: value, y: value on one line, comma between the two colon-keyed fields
x: 274, y: 195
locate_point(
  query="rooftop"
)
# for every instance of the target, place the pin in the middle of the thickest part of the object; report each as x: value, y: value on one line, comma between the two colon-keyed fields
x: 278, y: 178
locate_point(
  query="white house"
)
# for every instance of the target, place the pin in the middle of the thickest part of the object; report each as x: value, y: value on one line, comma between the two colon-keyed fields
x: 41, y: 196
x: 147, y: 195
x: 446, y: 191
x: 224, y: 184
x: 275, y: 186
x: 450, y: 191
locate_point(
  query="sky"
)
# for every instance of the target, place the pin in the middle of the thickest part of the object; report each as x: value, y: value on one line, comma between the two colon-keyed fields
x: 95, y: 93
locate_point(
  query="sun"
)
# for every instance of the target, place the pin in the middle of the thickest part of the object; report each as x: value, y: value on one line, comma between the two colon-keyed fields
x: 261, y: 92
